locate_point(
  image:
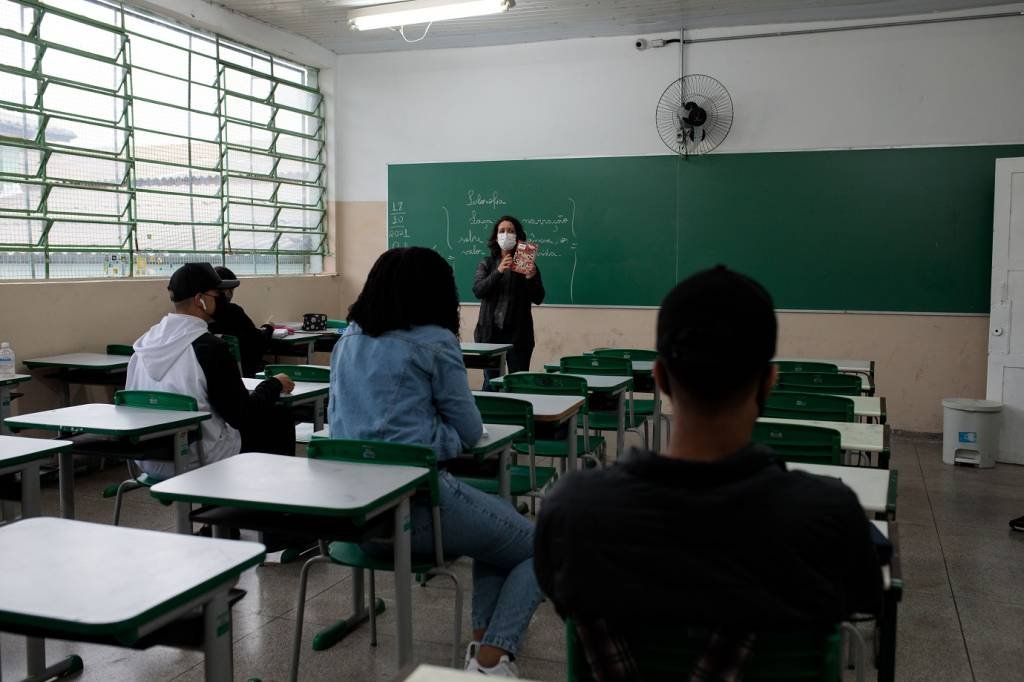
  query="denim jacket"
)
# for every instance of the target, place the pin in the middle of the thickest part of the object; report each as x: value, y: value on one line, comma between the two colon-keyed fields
x: 404, y: 386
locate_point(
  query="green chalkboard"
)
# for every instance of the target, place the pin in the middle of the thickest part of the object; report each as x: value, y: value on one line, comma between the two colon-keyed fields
x: 887, y: 229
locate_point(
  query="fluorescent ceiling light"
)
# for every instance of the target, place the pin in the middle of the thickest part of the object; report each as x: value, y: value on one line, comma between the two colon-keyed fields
x: 422, y: 12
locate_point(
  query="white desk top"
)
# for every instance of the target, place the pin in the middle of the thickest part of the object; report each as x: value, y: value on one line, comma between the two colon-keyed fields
x: 80, y: 361
x: 104, y: 419
x: 865, y: 406
x: 844, y: 365
x: 853, y: 436
x: 304, y: 390
x: 599, y: 383
x: 16, y: 379
x: 495, y: 434
x: 882, y: 526
x: 16, y: 450
x: 870, y: 485
x: 485, y: 348
x: 546, y: 408
x: 299, y: 337
x: 256, y: 480
x: 90, y: 578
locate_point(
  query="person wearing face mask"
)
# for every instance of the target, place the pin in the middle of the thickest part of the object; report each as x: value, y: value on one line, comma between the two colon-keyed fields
x: 506, y: 296
x: 180, y: 355
x: 231, y: 319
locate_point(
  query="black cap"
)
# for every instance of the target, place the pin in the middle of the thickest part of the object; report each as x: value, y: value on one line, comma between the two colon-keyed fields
x: 227, y: 276
x: 717, y: 332
x: 194, y: 278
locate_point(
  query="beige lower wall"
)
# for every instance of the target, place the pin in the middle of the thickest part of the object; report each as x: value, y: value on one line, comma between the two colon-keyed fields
x: 46, y: 318
x: 919, y: 359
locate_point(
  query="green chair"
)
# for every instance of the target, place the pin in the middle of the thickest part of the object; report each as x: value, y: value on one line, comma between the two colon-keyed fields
x: 320, y: 375
x: 337, y: 324
x: 154, y: 400
x: 819, y: 382
x: 587, y: 446
x: 351, y: 554
x: 528, y: 480
x: 641, y: 407
x: 793, y: 405
x: 670, y: 653
x: 124, y: 349
x: 801, y: 366
x: 236, y: 350
x: 800, y: 443
x: 608, y: 420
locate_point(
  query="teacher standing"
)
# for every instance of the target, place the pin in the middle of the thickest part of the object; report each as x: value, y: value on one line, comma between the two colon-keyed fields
x: 506, y: 296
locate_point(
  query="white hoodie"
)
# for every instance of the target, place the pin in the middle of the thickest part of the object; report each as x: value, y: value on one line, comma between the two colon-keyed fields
x: 165, y: 361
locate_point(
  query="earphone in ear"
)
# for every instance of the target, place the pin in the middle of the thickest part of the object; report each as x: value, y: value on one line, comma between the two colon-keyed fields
x: 203, y: 303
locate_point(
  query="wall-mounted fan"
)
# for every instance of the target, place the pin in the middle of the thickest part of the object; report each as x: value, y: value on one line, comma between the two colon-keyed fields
x: 694, y: 114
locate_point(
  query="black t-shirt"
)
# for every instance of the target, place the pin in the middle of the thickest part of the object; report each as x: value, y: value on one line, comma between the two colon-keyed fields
x: 738, y: 542
x: 253, y: 341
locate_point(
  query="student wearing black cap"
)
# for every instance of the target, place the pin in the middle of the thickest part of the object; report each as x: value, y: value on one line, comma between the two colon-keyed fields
x: 230, y: 318
x: 721, y: 533
x: 180, y: 355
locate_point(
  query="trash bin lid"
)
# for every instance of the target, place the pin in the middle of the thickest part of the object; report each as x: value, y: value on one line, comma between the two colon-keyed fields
x: 972, y: 405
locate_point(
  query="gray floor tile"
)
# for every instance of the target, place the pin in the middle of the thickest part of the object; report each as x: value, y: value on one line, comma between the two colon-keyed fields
x: 929, y: 645
x: 993, y: 634
x: 924, y: 569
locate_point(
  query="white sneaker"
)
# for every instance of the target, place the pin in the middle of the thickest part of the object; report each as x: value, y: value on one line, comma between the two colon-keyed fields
x: 503, y: 668
x: 471, y: 653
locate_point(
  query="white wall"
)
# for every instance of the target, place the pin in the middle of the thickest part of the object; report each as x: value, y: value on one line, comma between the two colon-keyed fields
x: 941, y: 84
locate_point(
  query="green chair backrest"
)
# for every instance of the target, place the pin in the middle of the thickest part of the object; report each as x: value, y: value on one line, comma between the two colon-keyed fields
x: 793, y: 405
x: 503, y: 409
x: 819, y: 382
x: 337, y: 324
x: 232, y: 341
x: 800, y: 443
x: 628, y: 353
x: 120, y: 349
x: 546, y: 384
x: 378, y: 452
x: 801, y: 366
x: 596, y: 364
x: 156, y: 400
x: 300, y: 372
x: 670, y: 653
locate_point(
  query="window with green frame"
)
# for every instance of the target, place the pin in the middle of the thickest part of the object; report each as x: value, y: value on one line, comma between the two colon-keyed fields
x: 130, y: 145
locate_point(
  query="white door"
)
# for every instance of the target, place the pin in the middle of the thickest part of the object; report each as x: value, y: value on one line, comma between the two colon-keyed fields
x: 1006, y: 326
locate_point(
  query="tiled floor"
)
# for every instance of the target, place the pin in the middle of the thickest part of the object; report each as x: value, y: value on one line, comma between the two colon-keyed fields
x: 962, y: 617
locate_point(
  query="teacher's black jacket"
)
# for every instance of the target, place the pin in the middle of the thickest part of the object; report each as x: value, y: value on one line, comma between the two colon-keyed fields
x: 497, y: 289
x: 739, y: 542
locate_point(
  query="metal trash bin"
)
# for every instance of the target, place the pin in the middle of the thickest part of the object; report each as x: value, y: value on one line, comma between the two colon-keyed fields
x: 970, y: 431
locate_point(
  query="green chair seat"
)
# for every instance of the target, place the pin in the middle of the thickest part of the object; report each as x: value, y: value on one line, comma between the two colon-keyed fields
x: 559, y: 448
x: 519, y: 480
x: 643, y: 407
x: 609, y: 421
x: 352, y: 555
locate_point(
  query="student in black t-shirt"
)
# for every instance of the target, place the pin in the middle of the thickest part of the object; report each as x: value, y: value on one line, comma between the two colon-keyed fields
x: 230, y: 318
x: 715, y: 531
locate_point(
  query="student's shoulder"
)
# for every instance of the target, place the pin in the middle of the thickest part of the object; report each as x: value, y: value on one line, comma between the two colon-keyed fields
x: 433, y: 337
x: 820, y: 494
x: 208, y: 342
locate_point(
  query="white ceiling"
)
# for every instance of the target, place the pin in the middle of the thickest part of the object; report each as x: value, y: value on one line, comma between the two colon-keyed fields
x: 325, y: 21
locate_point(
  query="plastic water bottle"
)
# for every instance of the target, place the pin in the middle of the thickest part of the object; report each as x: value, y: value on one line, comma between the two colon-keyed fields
x: 6, y: 360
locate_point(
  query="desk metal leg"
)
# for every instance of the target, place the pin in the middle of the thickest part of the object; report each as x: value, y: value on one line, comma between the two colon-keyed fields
x: 65, y: 393
x: 339, y: 630
x: 66, y: 483
x: 621, y: 431
x: 30, y: 496
x: 505, y: 473
x: 182, y: 524
x: 309, y: 353
x: 571, y: 457
x: 5, y: 408
x: 35, y: 656
x: 218, y: 661
x: 318, y: 414
x: 503, y: 364
x: 403, y: 582
x: 887, y: 639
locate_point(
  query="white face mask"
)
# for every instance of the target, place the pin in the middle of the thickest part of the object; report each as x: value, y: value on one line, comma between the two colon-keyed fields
x: 506, y: 241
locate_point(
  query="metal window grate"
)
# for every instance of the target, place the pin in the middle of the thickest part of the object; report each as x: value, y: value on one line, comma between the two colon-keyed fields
x: 130, y: 145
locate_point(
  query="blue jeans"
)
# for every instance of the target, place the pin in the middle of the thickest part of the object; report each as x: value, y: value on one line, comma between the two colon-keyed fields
x: 500, y: 542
